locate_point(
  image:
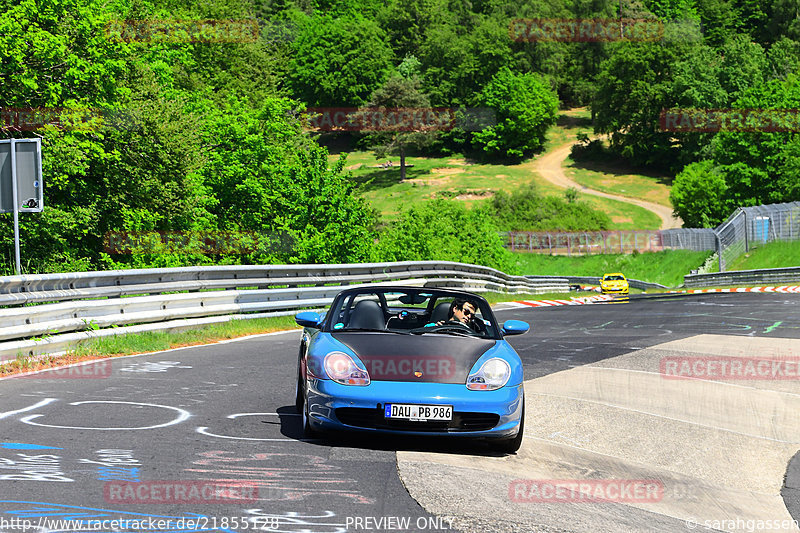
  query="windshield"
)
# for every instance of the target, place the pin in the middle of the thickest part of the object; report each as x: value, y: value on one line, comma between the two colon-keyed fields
x: 614, y: 278
x: 412, y: 312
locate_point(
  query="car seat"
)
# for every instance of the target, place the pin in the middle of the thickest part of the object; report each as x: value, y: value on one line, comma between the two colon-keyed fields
x: 367, y: 315
x: 441, y: 312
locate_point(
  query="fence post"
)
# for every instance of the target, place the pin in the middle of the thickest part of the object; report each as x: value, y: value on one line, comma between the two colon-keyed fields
x: 569, y: 245
x: 549, y: 244
x: 719, y: 252
x: 746, y: 230
x: 530, y: 242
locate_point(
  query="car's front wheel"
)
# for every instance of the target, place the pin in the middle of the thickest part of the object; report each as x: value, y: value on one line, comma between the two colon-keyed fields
x: 513, y: 444
x: 302, y: 402
x: 299, y: 397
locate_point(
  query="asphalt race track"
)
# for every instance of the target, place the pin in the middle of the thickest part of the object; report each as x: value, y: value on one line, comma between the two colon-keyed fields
x: 75, y: 445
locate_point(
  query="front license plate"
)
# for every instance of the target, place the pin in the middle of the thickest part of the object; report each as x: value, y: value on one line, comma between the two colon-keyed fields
x: 418, y: 412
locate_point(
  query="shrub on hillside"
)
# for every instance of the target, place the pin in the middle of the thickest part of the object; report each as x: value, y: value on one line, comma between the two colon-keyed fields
x: 588, y: 150
x: 446, y: 231
x: 526, y: 210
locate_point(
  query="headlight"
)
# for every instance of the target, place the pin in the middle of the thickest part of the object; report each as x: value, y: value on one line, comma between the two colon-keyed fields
x: 492, y: 375
x: 340, y: 368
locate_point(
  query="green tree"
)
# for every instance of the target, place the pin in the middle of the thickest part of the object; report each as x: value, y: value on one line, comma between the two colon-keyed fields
x: 59, y: 55
x: 698, y: 196
x: 784, y: 20
x: 758, y: 166
x: 270, y: 178
x: 338, y: 61
x: 633, y: 87
x: 459, y: 60
x: 784, y: 58
x: 446, y: 231
x: 671, y: 10
x: 525, y: 106
x: 399, y: 93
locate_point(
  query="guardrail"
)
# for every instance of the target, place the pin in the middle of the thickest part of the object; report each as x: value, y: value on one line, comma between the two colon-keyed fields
x: 595, y: 280
x: 66, y: 309
x: 771, y: 276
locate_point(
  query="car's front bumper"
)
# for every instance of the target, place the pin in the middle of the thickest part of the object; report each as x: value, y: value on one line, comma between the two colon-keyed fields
x: 614, y: 290
x: 489, y: 414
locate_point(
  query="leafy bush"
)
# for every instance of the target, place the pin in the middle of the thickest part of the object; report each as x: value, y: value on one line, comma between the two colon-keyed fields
x: 526, y: 210
x: 525, y: 107
x: 698, y: 196
x: 588, y: 150
x: 445, y: 231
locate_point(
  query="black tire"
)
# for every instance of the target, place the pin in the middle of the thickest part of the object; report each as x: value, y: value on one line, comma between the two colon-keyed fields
x: 511, y: 445
x: 308, y: 431
x: 299, y: 398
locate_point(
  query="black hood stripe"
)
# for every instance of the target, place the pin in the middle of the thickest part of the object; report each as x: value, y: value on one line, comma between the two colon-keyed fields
x: 438, y: 358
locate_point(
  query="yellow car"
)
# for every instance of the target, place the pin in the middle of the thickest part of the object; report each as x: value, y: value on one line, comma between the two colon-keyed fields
x: 614, y: 284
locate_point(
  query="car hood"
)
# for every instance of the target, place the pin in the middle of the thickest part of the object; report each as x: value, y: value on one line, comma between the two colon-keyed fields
x: 438, y: 358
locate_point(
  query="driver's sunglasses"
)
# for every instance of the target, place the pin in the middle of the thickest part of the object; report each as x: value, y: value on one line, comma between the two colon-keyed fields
x: 467, y: 312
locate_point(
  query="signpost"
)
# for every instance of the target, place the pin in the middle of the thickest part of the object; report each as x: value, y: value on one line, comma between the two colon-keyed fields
x: 20, y: 181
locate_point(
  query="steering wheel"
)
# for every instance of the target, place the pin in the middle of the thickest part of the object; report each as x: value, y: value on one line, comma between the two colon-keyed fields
x: 451, y: 325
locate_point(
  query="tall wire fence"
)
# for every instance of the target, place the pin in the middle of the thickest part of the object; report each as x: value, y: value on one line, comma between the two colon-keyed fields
x: 745, y: 229
x: 750, y: 227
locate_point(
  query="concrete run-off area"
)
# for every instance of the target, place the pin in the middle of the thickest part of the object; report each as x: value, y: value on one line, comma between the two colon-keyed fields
x: 717, y: 449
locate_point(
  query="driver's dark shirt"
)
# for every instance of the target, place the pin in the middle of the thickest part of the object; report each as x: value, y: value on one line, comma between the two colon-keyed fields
x: 475, y: 324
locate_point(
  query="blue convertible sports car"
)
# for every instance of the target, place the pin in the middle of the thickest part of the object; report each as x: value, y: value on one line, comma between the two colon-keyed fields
x: 412, y: 361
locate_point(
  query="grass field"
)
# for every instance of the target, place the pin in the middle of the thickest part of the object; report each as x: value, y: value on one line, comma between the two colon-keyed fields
x: 430, y: 178
x: 666, y: 268
x: 455, y: 177
x: 623, y: 215
x: 620, y: 180
x: 772, y: 255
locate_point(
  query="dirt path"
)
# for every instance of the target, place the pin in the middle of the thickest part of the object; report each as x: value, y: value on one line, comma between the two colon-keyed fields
x: 550, y: 167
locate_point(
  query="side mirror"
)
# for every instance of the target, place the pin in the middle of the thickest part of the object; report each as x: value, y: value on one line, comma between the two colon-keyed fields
x: 308, y: 319
x: 515, y: 327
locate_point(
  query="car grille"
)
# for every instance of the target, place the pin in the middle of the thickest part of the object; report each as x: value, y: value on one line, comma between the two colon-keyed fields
x: 374, y: 419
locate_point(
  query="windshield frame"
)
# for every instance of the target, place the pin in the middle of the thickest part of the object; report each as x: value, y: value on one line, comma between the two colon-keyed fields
x: 493, y: 329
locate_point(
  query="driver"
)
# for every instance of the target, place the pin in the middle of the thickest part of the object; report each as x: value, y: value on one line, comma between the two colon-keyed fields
x: 463, y: 312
